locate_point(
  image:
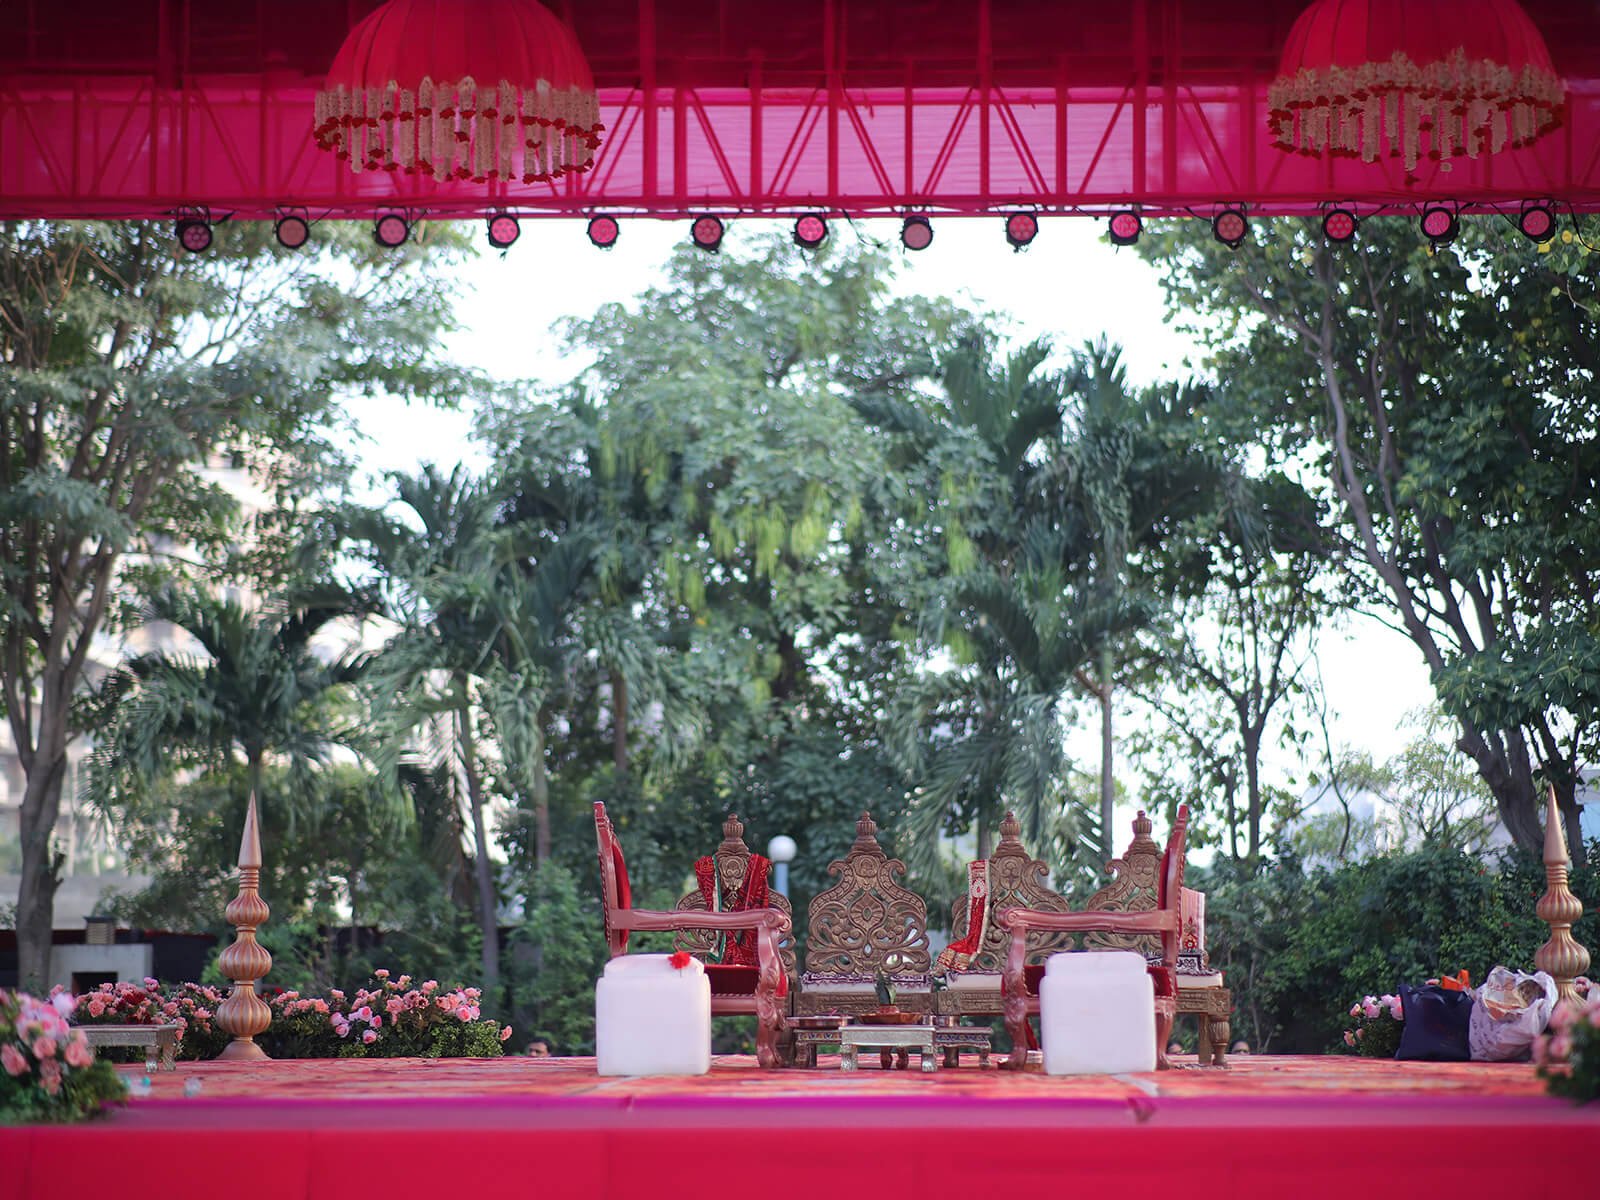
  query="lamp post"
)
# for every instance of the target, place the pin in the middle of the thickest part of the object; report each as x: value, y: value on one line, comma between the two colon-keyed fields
x: 781, y: 851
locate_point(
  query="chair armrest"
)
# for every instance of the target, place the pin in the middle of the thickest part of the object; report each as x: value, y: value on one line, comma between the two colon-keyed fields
x: 643, y: 920
x: 1026, y: 919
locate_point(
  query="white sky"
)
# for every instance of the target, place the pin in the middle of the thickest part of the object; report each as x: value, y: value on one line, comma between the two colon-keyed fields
x: 1069, y: 285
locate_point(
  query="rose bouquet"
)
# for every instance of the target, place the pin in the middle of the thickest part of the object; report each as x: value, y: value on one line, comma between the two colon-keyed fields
x: 1379, y: 1022
x: 1569, y: 1053
x: 396, y: 1019
x: 48, y: 1071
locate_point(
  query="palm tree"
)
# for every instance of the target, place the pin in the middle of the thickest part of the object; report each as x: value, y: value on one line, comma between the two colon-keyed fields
x: 1127, y: 474
x: 482, y: 604
x: 254, y: 688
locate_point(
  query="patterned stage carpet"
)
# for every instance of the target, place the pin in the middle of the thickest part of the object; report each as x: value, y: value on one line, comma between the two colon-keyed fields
x: 1268, y: 1126
x: 737, y: 1077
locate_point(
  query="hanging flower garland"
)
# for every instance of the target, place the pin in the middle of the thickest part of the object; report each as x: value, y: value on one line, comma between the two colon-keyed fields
x: 1473, y: 80
x: 464, y: 89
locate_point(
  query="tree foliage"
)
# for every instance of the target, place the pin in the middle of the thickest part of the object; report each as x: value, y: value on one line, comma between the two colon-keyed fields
x: 1443, y: 405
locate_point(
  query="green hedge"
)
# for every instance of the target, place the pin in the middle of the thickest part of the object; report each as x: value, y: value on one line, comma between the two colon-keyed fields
x: 1299, y: 945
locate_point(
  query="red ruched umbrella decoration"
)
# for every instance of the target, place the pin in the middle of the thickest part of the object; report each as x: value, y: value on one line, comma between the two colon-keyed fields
x: 461, y: 89
x: 1359, y: 76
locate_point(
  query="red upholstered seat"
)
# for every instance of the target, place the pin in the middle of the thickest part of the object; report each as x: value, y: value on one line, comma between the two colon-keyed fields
x: 736, y: 980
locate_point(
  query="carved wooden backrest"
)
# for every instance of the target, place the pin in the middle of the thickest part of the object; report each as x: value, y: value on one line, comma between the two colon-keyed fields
x: 615, y: 892
x: 730, y: 859
x: 866, y: 922
x: 1139, y: 885
x: 1016, y: 880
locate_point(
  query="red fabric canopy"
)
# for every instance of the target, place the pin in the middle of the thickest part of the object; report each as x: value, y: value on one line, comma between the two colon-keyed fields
x: 140, y: 107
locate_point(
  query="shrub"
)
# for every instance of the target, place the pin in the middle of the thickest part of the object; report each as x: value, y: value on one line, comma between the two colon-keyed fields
x: 390, y: 1019
x: 48, y: 1072
x: 1294, y: 942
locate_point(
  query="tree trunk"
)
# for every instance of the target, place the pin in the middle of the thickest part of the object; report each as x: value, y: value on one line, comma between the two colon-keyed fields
x: 41, y: 873
x: 983, y: 837
x: 1511, y: 783
x: 1107, y: 788
x: 1252, y: 775
x: 619, y: 722
x: 488, y: 910
x: 541, y: 803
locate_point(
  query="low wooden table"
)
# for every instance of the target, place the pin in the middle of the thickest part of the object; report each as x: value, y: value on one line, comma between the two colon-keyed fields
x: 892, y: 1041
x: 951, y: 1038
x: 163, y: 1039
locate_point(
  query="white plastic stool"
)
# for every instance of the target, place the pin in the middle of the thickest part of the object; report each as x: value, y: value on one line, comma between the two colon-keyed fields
x: 1097, y: 1014
x: 652, y: 1018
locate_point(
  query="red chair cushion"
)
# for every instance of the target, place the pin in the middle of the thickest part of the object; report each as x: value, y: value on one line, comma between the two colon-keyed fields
x: 1165, y: 980
x: 619, y: 867
x: 731, y: 980
x: 1031, y: 975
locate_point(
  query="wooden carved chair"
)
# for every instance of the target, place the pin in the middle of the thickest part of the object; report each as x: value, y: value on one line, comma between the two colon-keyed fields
x: 1105, y: 929
x: 862, y: 925
x: 727, y: 877
x: 1010, y: 878
x: 742, y: 990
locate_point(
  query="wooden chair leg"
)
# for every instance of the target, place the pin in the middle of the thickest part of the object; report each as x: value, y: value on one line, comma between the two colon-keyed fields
x: 1164, y: 1018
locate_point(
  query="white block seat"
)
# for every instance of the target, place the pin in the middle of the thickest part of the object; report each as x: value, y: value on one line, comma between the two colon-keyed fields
x: 1097, y: 1014
x: 651, y: 1017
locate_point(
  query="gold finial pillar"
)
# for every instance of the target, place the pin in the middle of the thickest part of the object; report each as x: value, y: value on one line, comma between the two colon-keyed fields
x: 245, y: 1014
x: 1562, y: 957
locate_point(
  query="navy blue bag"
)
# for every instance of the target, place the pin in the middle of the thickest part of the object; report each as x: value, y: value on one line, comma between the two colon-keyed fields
x: 1436, y: 1024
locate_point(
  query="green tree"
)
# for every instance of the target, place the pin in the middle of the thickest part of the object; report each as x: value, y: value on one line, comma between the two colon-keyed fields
x: 1442, y: 404
x: 124, y: 366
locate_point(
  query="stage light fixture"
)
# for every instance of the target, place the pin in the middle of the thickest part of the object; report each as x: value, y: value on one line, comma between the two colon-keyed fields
x: 604, y: 231
x: 391, y: 230
x: 503, y: 230
x: 916, y: 233
x: 707, y: 232
x: 292, y: 230
x: 1021, y: 228
x: 1538, y: 221
x: 1230, y: 227
x: 810, y: 231
x: 1339, y: 225
x: 1439, y: 224
x: 1126, y: 226
x: 193, y: 234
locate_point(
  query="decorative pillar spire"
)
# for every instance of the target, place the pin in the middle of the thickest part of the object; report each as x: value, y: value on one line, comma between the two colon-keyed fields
x: 1562, y: 957
x: 245, y: 1014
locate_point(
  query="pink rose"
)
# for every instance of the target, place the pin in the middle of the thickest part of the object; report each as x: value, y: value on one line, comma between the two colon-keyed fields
x: 431, y: 985
x: 321, y: 1006
x: 377, y: 1022
x: 1370, y: 1008
x: 1355, y: 1010
x: 11, y: 1058
x: 43, y: 1048
x: 394, y: 1005
x: 463, y: 1015
x: 369, y: 1037
x: 1349, y: 1038
x: 505, y: 1034
x: 404, y: 981
x: 1561, y: 1047
x: 50, y: 1076
x: 78, y: 1053
x: 96, y: 1008
x: 381, y: 973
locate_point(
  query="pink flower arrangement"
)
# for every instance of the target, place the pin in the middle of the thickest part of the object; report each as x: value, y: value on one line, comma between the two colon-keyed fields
x: 1377, y: 1026
x: 1568, y: 1053
x: 40, y: 1052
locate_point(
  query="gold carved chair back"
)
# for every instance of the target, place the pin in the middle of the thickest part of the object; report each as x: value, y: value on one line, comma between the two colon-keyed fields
x: 730, y: 860
x: 866, y: 922
x: 1136, y: 887
x: 1016, y: 880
